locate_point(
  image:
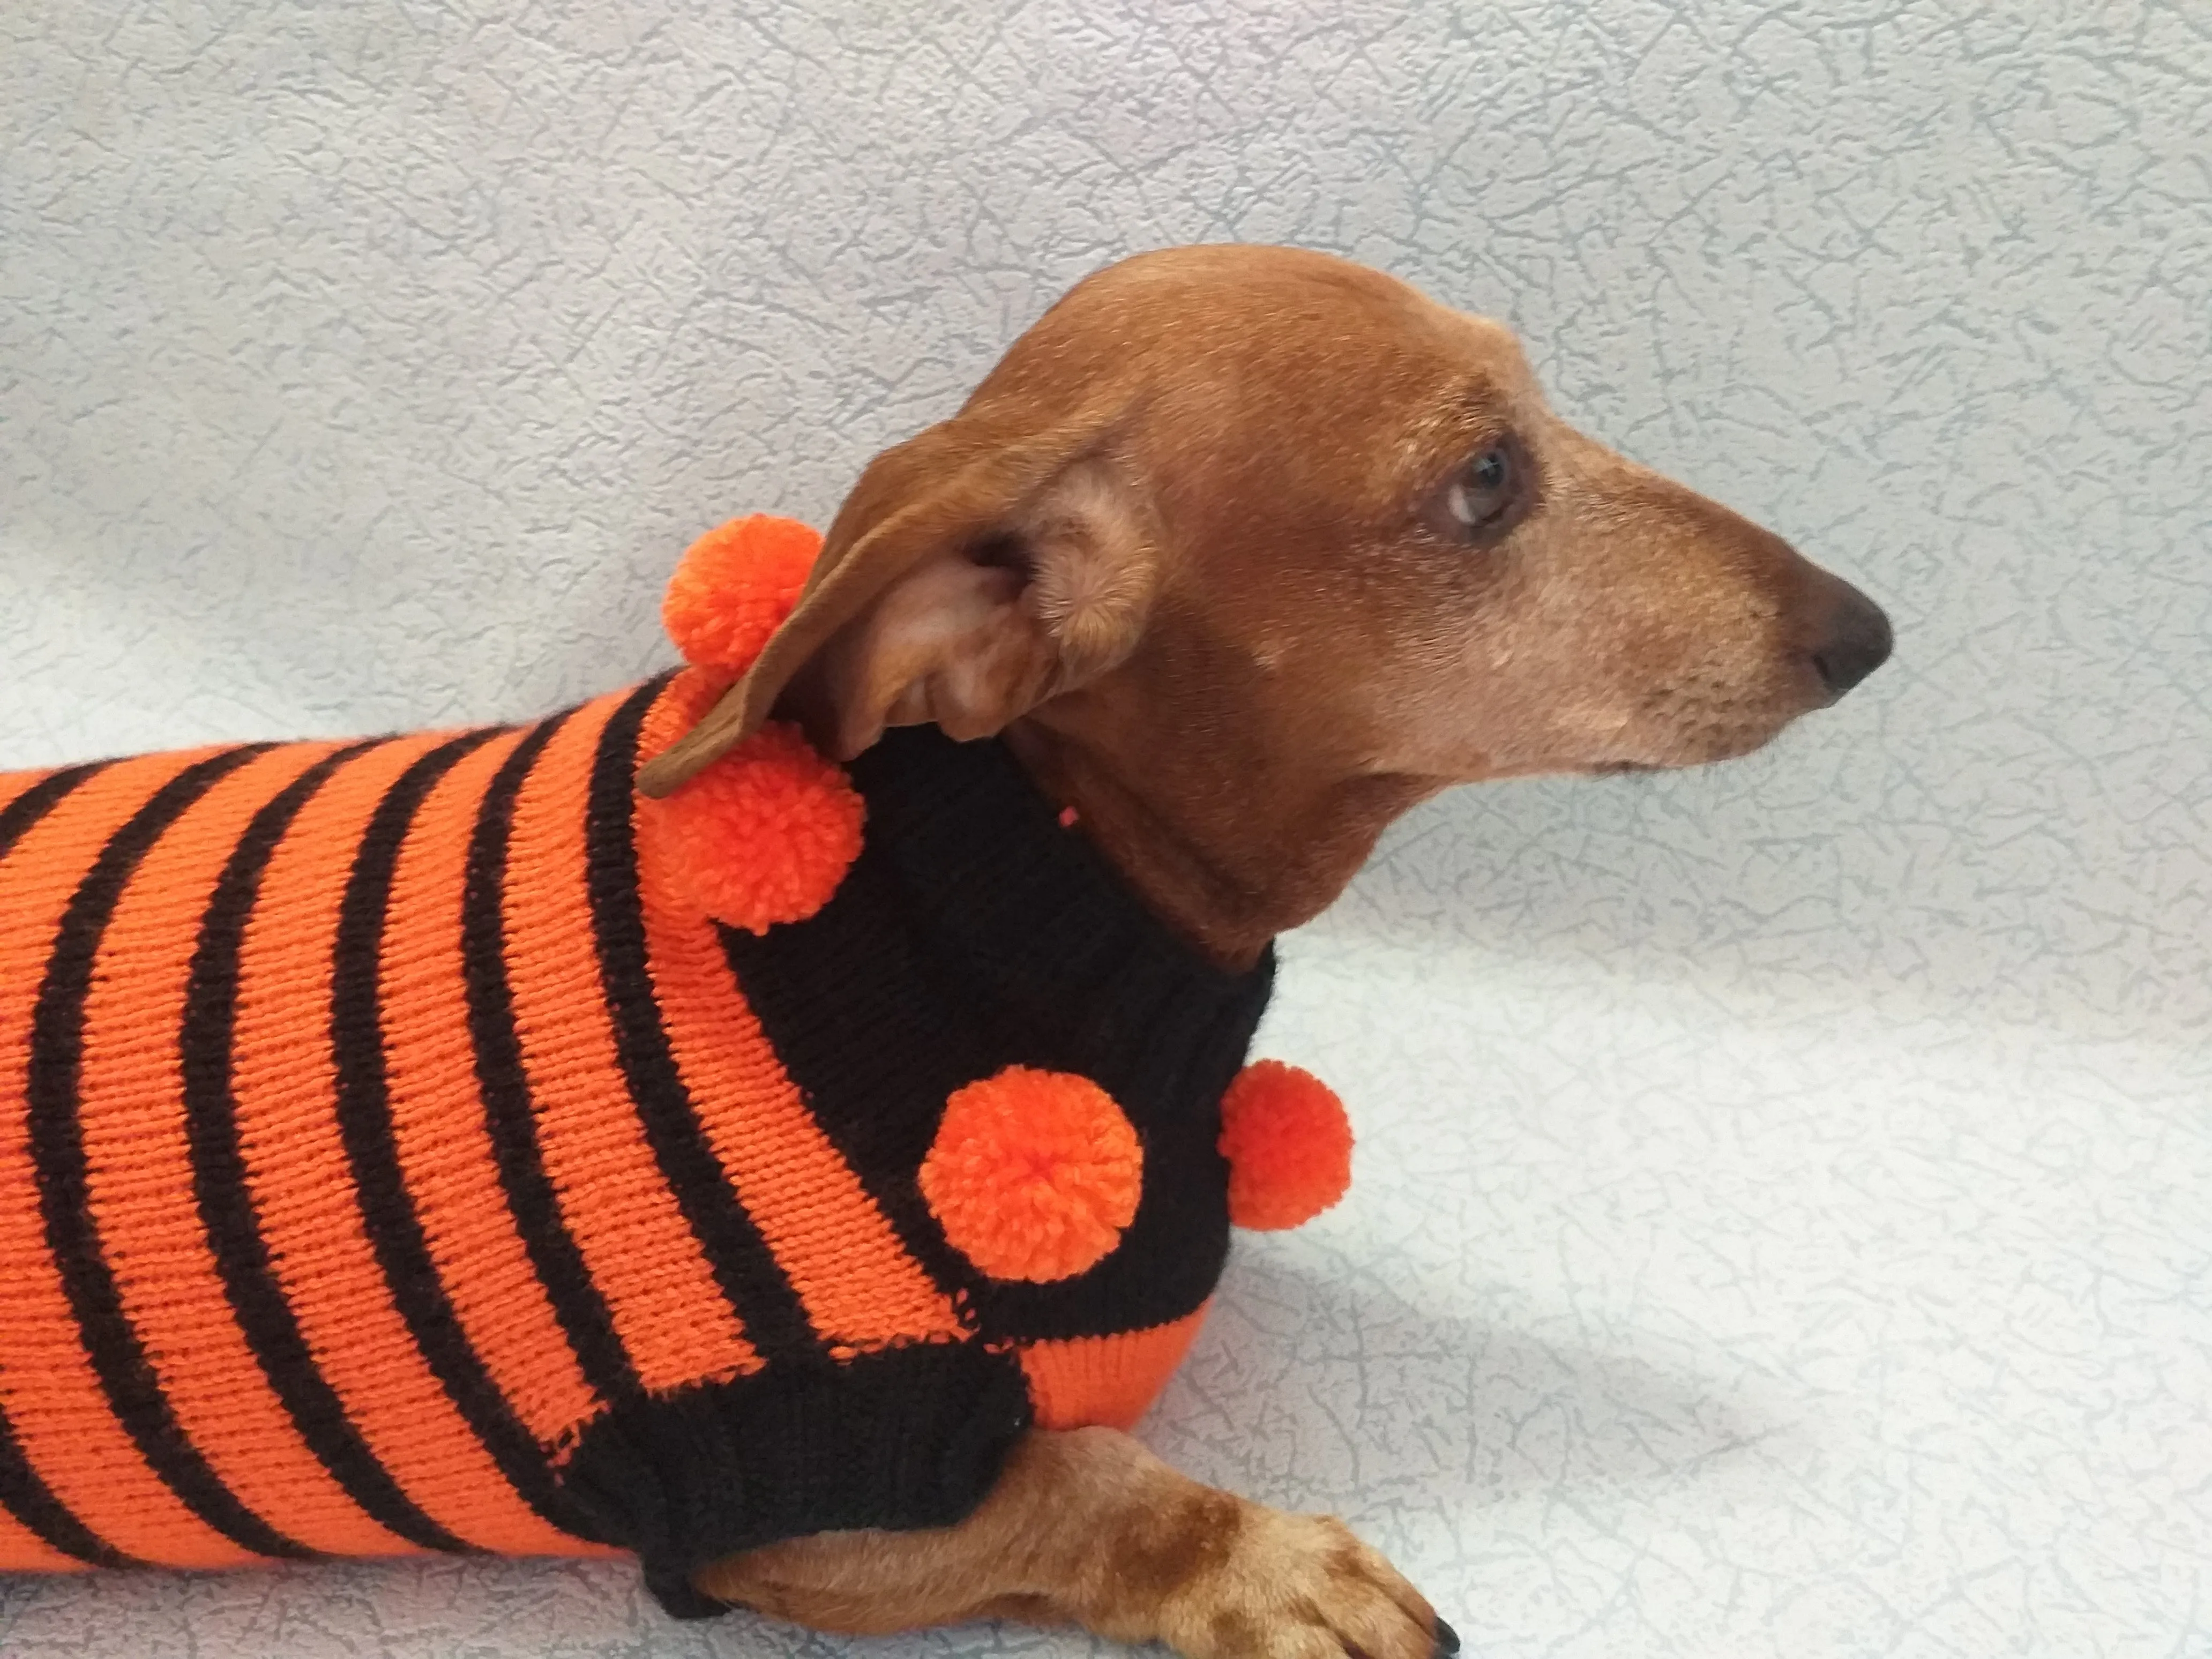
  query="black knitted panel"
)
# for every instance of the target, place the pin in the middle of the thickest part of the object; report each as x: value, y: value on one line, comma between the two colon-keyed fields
x: 974, y: 932
x: 902, y: 1439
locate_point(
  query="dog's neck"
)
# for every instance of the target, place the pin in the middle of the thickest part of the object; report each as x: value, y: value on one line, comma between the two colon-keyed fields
x: 1228, y: 862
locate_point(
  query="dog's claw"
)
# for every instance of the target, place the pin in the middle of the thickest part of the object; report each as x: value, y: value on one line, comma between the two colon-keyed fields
x: 1447, y: 1640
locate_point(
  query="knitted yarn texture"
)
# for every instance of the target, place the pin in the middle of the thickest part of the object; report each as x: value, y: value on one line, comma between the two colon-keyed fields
x: 408, y: 1145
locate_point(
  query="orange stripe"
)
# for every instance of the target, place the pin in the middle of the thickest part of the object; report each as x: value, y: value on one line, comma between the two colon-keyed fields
x: 140, y: 1175
x: 23, y: 1551
x: 302, y: 1185
x: 446, y: 1152
x: 1105, y: 1381
x: 860, y: 1287
x: 47, y: 1387
x: 672, y: 1318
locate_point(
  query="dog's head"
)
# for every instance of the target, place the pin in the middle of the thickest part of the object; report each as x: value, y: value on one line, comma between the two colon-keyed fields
x: 1292, y: 501
x: 1242, y: 528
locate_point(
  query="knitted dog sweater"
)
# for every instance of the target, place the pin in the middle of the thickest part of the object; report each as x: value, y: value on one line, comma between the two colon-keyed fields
x: 394, y: 1158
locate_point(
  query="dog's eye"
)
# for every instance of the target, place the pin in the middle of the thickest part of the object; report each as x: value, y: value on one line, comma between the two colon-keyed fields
x: 1480, y: 494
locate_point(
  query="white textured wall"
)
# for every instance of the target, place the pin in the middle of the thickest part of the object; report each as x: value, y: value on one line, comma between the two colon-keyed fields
x: 1784, y: 1225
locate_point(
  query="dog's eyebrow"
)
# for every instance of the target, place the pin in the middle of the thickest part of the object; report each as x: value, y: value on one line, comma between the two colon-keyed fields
x: 1471, y: 414
x: 1481, y: 403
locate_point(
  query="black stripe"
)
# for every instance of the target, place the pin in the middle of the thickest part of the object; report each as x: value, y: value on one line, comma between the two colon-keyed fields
x: 776, y: 1322
x: 119, y: 1358
x: 32, y: 1501
x: 364, y: 1102
x: 270, y: 1327
x: 505, y: 1085
x: 35, y: 802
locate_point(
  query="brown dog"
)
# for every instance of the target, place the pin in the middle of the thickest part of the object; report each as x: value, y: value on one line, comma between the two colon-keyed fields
x: 1247, y: 551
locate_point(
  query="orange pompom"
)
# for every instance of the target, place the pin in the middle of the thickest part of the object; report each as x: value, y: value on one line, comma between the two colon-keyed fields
x: 734, y: 587
x: 1288, y: 1144
x: 762, y: 835
x: 1033, y: 1175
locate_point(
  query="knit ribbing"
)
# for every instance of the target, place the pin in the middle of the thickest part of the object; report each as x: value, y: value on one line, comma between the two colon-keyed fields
x: 112, y: 1342
x: 35, y: 798
x: 34, y: 1503
x: 497, y: 1053
x: 445, y: 1159
x: 131, y: 1117
x: 775, y: 1321
x: 364, y: 1115
x: 266, y: 1319
x: 903, y: 1437
x: 65, y: 1428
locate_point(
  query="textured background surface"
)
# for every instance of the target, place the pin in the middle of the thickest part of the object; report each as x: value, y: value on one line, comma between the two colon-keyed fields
x: 1781, y: 1225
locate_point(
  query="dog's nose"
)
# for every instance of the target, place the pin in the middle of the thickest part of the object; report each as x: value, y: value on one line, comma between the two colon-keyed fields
x: 1852, y: 639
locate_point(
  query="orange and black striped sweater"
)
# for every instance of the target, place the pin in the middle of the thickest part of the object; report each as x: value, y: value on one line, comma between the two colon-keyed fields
x: 391, y: 1161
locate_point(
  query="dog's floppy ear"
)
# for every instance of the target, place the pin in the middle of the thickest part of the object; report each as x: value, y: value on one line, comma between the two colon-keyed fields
x: 968, y: 577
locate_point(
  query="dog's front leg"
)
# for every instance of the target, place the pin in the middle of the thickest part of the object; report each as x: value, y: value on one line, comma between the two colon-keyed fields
x: 1088, y: 1528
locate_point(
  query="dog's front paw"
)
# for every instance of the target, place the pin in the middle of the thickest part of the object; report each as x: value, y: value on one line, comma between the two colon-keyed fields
x: 1283, y: 1586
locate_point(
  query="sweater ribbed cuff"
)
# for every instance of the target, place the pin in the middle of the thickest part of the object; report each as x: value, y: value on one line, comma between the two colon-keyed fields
x: 902, y: 1438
